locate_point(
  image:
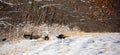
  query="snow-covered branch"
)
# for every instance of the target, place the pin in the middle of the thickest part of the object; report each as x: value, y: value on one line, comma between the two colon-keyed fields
x: 49, y: 5
x: 5, y: 23
x: 8, y: 3
x: 42, y: 0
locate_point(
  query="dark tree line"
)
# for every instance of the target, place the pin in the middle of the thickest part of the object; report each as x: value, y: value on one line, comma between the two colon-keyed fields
x: 88, y: 15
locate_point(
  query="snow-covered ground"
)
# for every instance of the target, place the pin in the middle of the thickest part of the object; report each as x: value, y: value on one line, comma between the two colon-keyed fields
x: 87, y: 44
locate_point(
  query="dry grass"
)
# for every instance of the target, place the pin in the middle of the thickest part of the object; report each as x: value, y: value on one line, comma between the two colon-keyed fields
x: 44, y: 29
x: 74, y: 33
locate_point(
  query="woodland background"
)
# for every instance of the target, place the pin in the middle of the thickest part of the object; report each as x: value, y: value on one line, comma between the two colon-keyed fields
x: 88, y: 15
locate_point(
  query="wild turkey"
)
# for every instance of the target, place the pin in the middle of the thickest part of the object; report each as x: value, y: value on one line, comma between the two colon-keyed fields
x: 35, y: 37
x: 4, y: 39
x: 31, y: 36
x: 27, y: 36
x: 46, y: 38
x: 61, y: 36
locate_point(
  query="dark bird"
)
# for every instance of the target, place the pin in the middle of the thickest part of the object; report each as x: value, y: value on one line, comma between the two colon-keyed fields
x: 27, y: 36
x: 4, y: 39
x: 61, y: 36
x: 31, y: 36
x: 46, y: 37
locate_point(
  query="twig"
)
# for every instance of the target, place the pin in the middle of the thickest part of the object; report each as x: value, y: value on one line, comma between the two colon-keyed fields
x: 11, y: 4
x: 49, y: 5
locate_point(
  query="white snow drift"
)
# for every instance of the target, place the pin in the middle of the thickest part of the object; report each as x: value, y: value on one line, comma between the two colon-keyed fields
x: 87, y: 44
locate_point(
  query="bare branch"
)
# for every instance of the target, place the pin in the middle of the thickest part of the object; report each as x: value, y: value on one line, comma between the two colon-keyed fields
x: 7, y: 3
x: 49, y: 5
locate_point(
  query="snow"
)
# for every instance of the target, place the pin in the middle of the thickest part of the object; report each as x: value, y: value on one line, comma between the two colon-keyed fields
x: 87, y: 44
